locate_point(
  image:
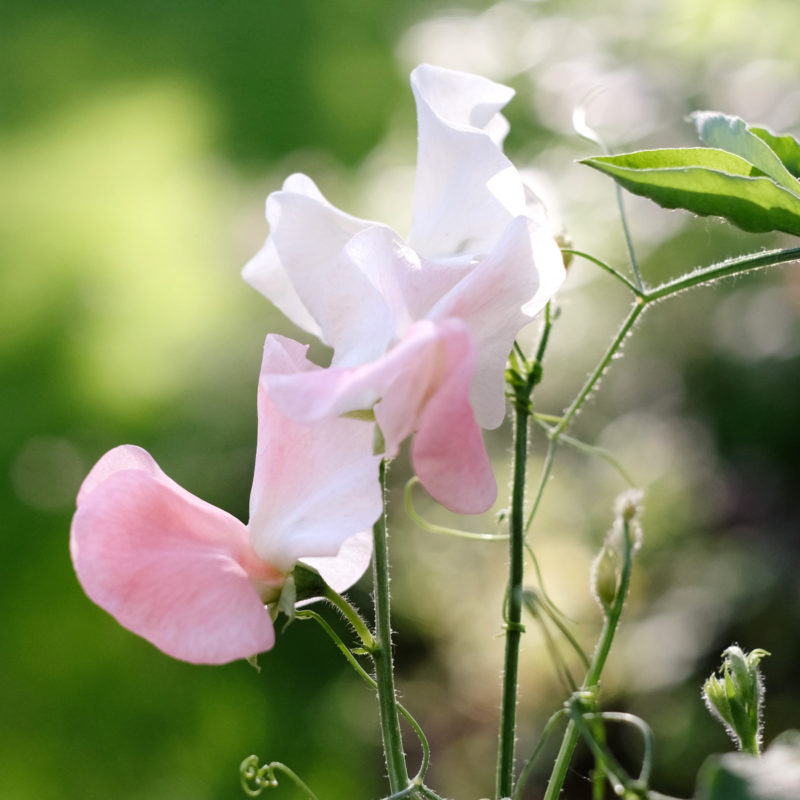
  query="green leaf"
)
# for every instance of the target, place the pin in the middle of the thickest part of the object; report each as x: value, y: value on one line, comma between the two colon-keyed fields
x: 787, y: 148
x: 736, y: 776
x: 708, y: 182
x: 733, y: 135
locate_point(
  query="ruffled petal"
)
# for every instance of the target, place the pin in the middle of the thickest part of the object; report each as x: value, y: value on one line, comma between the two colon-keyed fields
x: 316, y: 483
x: 500, y: 295
x: 421, y: 383
x: 447, y: 452
x: 266, y: 274
x: 311, y: 267
x: 466, y: 190
x: 168, y: 566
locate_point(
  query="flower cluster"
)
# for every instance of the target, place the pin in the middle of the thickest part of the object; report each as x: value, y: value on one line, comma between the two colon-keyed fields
x: 420, y: 330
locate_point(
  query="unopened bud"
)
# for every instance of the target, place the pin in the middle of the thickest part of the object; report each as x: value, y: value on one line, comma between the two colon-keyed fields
x: 612, y: 563
x: 735, y: 697
x: 629, y: 504
x: 605, y: 577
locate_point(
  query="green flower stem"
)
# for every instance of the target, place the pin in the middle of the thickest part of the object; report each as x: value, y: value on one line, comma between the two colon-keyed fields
x: 307, y: 613
x: 442, y: 530
x: 644, y: 298
x: 370, y: 681
x: 528, y: 767
x: 382, y: 656
x: 604, y: 266
x: 611, y: 768
x: 726, y: 269
x: 544, y: 336
x: 595, y: 670
x: 644, y: 729
x: 352, y: 616
x: 592, y: 380
x: 514, y: 628
x: 628, y: 239
x: 549, y: 458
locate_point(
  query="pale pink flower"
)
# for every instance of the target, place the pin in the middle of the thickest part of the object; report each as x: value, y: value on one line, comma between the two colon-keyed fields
x: 194, y: 580
x: 478, y: 265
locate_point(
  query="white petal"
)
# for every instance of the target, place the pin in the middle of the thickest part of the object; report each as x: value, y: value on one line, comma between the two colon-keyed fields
x: 467, y: 191
x: 501, y: 294
x: 341, y: 571
x: 327, y: 256
x: 266, y: 274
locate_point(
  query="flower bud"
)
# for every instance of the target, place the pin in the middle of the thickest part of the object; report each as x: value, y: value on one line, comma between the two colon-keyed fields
x: 629, y: 504
x: 621, y: 543
x: 735, y: 697
x: 605, y: 577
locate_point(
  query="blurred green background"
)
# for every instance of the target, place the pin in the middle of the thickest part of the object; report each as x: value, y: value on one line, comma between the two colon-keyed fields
x: 137, y: 144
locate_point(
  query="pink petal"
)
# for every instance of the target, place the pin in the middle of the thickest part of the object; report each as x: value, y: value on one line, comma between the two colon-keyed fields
x: 448, y: 453
x: 466, y: 191
x: 497, y: 298
x: 421, y: 383
x: 168, y: 566
x: 316, y: 484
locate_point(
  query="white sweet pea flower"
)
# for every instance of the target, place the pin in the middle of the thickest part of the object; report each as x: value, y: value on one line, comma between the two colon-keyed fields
x: 478, y: 253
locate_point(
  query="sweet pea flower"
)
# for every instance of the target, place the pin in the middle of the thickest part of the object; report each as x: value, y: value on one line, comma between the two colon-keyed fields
x: 430, y: 319
x: 194, y: 580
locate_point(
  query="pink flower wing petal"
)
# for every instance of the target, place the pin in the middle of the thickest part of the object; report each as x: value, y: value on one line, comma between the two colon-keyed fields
x: 400, y: 380
x: 447, y: 452
x: 316, y: 483
x: 169, y: 567
x: 422, y: 385
x: 502, y: 294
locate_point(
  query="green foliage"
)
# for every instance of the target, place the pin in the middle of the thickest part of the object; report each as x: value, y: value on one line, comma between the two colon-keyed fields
x: 787, y: 148
x: 747, y: 176
x: 733, y: 135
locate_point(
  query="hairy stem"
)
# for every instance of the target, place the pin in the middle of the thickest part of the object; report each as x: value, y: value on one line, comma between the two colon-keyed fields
x: 382, y: 657
x: 595, y: 670
x: 644, y: 298
x: 726, y: 269
x: 592, y: 380
x: 508, y: 709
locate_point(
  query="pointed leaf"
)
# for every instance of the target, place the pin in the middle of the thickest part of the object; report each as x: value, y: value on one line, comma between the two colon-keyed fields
x: 787, y: 148
x: 707, y: 182
x: 732, y: 134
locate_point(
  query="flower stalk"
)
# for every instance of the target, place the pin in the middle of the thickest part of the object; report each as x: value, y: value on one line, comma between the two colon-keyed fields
x: 598, y: 662
x: 382, y: 656
x: 514, y: 627
x: 521, y: 377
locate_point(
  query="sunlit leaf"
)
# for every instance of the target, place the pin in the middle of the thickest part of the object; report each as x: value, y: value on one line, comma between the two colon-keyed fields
x: 708, y: 182
x: 787, y: 148
x: 733, y: 135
